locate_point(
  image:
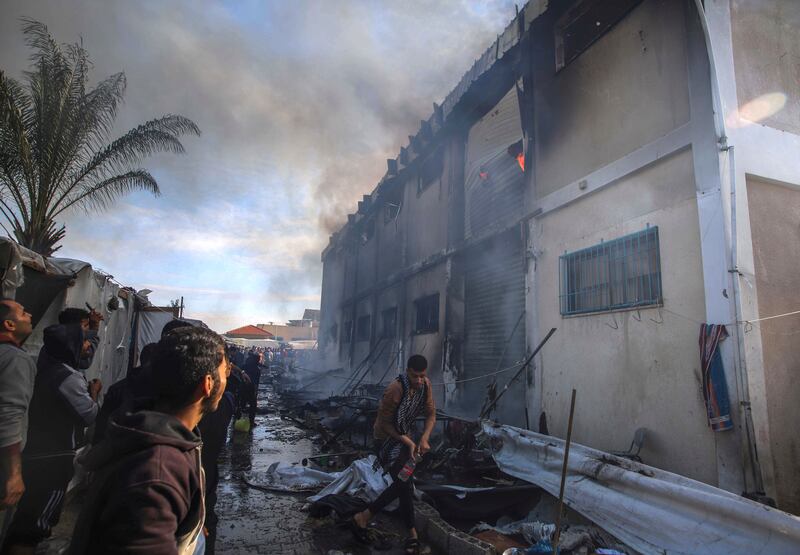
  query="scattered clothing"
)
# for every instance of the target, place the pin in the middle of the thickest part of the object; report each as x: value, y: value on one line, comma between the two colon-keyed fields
x: 715, y: 388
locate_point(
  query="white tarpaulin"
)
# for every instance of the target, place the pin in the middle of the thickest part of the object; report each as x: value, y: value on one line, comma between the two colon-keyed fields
x: 150, y: 325
x: 653, y: 511
x: 286, y: 477
x: 357, y: 480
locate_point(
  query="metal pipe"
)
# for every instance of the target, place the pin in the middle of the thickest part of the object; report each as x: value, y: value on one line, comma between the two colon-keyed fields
x: 564, y: 473
x: 488, y: 409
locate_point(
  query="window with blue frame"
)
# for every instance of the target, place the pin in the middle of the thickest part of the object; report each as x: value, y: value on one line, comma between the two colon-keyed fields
x: 619, y: 274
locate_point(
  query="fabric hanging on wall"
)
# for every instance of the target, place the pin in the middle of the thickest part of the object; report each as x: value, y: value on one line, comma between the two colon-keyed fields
x: 715, y: 389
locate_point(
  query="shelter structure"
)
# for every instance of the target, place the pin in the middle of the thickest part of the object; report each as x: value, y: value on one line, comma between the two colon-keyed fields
x: 46, y: 286
x: 248, y: 332
x: 621, y: 171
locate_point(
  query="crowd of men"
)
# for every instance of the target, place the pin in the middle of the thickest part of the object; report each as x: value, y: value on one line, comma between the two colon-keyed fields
x: 152, y: 488
x: 155, y: 439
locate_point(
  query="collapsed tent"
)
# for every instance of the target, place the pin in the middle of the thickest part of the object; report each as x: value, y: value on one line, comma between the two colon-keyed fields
x: 651, y: 510
x: 46, y: 286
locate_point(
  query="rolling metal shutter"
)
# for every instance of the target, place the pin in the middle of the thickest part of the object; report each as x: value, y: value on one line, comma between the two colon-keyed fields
x: 494, y: 300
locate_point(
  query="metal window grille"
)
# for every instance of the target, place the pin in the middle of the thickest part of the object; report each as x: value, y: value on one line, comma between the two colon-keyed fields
x: 618, y: 274
x: 427, y: 312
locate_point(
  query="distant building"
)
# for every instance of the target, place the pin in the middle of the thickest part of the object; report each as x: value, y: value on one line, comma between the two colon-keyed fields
x: 249, y: 332
x: 295, y: 330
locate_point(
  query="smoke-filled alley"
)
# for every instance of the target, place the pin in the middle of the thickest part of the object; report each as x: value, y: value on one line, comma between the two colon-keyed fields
x: 356, y: 277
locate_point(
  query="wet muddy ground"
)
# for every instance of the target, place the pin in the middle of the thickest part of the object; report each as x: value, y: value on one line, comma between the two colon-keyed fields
x: 256, y: 521
x: 253, y: 521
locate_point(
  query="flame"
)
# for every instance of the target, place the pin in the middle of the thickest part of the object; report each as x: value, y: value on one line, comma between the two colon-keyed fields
x: 521, y: 161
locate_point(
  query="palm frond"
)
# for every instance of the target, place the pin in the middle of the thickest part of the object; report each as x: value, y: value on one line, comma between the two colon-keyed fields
x: 55, y: 152
x: 99, y: 196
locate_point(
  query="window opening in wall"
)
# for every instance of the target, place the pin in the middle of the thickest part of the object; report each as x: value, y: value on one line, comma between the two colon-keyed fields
x: 363, y: 328
x: 393, y: 203
x: 618, y: 274
x: 430, y: 170
x: 427, y: 314
x: 347, y: 332
x: 584, y: 23
x: 389, y: 322
x: 390, y: 211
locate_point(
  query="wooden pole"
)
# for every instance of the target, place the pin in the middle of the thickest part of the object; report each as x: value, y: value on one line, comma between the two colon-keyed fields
x: 564, y: 474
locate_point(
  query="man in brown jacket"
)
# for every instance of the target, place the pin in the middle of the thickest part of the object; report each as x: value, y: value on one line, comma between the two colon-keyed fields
x: 146, y: 496
x: 406, y: 398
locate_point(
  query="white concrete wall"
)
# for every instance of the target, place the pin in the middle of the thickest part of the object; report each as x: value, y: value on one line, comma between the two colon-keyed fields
x: 628, y: 89
x: 766, y: 39
x: 775, y: 221
x: 633, y: 368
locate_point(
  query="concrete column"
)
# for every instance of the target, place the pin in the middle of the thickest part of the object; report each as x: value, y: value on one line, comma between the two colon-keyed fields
x: 715, y: 171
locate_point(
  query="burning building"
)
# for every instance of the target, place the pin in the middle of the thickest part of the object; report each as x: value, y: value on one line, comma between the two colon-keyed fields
x: 625, y: 172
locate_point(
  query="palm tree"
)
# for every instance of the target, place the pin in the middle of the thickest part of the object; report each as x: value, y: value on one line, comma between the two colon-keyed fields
x: 55, y: 153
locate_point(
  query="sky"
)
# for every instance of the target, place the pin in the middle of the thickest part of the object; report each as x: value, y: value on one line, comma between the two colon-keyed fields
x: 299, y: 103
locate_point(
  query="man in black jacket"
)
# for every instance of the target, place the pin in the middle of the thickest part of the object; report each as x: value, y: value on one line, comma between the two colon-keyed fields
x: 62, y: 406
x: 147, y: 492
x: 90, y: 324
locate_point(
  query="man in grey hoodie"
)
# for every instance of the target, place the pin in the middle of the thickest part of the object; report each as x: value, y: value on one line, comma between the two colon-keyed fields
x: 17, y: 374
x: 62, y: 406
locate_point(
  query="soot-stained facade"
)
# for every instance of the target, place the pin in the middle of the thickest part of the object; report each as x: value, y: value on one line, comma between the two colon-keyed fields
x: 620, y: 171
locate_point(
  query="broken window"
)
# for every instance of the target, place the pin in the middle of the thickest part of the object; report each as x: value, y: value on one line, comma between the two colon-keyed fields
x: 427, y: 314
x: 618, y: 274
x: 584, y: 23
x: 392, y: 203
x: 389, y: 322
x: 390, y: 211
x: 430, y: 170
x: 363, y: 328
x: 347, y: 332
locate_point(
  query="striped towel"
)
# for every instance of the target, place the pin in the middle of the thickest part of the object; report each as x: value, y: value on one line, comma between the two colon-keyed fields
x: 715, y: 389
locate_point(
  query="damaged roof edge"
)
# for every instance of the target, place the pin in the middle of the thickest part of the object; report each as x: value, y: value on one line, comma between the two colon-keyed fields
x: 431, y: 128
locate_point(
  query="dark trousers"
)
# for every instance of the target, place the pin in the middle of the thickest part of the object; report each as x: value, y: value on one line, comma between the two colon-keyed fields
x: 400, y: 490
x: 214, y: 431
x: 46, y: 481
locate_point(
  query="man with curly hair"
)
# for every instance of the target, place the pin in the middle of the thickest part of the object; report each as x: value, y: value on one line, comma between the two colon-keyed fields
x: 147, y: 495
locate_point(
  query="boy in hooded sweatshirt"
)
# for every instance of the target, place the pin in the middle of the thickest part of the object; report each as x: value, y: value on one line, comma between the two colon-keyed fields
x: 62, y: 406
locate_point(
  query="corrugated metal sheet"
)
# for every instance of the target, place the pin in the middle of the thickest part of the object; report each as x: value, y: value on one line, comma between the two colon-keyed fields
x: 494, y: 298
x: 494, y: 182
